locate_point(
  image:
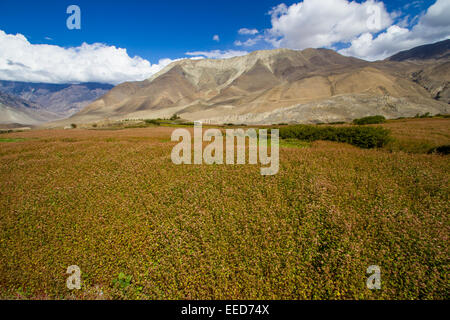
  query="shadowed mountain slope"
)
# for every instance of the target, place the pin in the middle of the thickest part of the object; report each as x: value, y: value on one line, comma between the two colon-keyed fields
x: 49, y: 101
x: 438, y: 50
x: 18, y: 111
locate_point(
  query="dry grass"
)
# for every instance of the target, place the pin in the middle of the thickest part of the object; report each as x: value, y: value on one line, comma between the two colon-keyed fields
x: 418, y: 135
x: 112, y: 202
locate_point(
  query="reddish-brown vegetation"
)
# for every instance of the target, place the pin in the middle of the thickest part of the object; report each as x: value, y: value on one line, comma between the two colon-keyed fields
x: 112, y: 202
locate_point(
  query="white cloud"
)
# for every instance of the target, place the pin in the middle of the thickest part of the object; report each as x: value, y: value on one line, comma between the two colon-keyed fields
x: 217, y: 54
x: 216, y: 38
x: 323, y: 23
x: 245, y: 31
x: 249, y: 42
x: 437, y: 15
x: 431, y: 27
x: 22, y: 61
x: 367, y: 27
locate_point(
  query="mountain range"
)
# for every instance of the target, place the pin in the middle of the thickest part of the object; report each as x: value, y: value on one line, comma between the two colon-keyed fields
x: 24, y: 103
x: 272, y: 86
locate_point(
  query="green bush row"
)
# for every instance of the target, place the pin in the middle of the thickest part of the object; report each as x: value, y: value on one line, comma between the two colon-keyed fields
x: 370, y: 120
x: 152, y: 121
x: 363, y: 137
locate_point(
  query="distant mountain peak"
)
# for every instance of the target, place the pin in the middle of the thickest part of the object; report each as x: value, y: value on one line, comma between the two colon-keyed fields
x: 311, y: 59
x: 31, y: 103
x: 438, y: 50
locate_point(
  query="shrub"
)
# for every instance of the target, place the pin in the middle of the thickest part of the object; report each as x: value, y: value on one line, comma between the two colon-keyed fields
x: 337, y: 122
x: 122, y: 281
x: 330, y: 123
x: 363, y: 137
x: 152, y: 121
x: 444, y: 150
x: 370, y: 120
x: 73, y: 125
x: 425, y: 115
x: 174, y: 117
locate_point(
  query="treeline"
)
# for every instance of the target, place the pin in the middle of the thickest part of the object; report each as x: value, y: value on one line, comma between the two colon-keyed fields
x: 363, y: 137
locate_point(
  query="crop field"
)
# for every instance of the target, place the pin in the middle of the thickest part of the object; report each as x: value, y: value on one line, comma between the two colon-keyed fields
x: 418, y: 136
x: 140, y: 227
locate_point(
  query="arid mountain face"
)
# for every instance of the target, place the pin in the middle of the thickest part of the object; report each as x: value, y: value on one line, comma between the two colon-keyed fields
x: 264, y: 87
x: 33, y: 103
x: 429, y: 66
x: 436, y: 51
x: 18, y: 112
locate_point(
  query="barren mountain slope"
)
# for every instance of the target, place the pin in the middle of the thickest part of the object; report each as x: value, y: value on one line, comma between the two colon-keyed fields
x: 438, y: 50
x: 61, y: 99
x: 257, y: 88
x: 15, y: 110
x: 427, y: 65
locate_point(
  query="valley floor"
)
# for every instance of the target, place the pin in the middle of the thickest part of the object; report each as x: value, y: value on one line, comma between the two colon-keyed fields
x: 140, y: 227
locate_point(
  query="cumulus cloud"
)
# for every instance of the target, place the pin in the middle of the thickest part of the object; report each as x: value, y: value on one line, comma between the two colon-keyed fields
x: 437, y: 16
x: 217, y: 54
x: 365, y: 29
x: 216, y: 38
x: 22, y: 61
x: 245, y: 31
x: 323, y: 23
x: 433, y: 26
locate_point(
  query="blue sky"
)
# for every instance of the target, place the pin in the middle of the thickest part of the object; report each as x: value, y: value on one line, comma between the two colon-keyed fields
x: 154, y: 30
x: 148, y: 28
x: 151, y: 29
